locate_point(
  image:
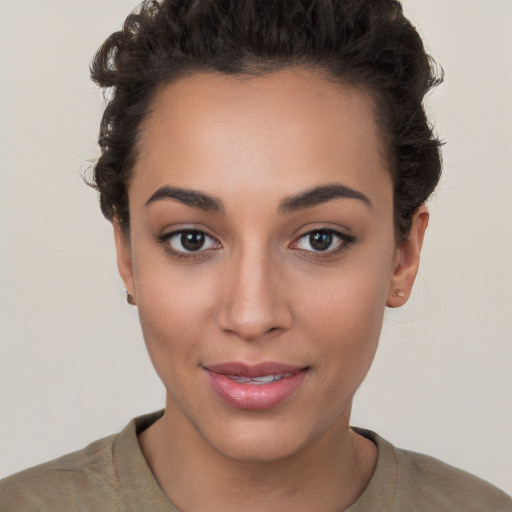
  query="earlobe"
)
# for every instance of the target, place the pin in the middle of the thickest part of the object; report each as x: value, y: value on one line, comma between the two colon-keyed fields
x: 124, y: 262
x: 407, y: 259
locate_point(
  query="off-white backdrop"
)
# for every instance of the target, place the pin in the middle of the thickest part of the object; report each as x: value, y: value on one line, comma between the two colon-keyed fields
x: 72, y: 362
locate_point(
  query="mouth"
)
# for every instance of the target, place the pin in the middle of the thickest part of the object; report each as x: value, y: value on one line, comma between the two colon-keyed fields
x: 259, y: 381
x: 255, y: 387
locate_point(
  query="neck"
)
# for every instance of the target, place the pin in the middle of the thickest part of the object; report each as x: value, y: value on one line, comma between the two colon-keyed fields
x: 329, y: 474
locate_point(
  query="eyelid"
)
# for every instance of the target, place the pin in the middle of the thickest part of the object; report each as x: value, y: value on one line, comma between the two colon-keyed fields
x: 346, y: 241
x: 164, y: 239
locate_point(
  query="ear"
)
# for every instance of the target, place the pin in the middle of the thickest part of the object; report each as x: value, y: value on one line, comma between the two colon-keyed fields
x: 124, y: 262
x: 407, y: 259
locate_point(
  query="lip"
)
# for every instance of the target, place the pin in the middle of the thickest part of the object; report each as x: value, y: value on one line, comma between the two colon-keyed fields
x: 250, y: 396
x: 253, y: 370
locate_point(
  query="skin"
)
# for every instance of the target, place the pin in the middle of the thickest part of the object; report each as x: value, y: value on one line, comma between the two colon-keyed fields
x: 260, y: 291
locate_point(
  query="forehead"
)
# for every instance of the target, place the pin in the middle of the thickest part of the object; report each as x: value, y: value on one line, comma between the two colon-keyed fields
x: 292, y: 129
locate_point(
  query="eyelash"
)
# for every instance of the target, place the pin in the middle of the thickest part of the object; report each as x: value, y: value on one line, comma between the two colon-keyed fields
x: 344, y: 242
x: 165, y: 240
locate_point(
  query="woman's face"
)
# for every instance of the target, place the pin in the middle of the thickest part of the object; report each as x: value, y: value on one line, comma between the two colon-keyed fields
x: 261, y: 256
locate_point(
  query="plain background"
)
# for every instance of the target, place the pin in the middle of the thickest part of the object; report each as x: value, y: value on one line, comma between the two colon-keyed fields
x: 73, y: 366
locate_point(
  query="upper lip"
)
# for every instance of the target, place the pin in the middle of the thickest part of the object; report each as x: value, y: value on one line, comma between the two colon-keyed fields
x: 253, y: 370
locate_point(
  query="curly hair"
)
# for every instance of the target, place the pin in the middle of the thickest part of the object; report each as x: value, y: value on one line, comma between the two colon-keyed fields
x: 364, y: 43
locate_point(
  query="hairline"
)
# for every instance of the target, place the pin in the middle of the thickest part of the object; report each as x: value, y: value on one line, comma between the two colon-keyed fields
x: 262, y: 68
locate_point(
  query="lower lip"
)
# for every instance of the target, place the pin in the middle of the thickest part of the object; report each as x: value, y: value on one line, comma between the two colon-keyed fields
x: 255, y: 396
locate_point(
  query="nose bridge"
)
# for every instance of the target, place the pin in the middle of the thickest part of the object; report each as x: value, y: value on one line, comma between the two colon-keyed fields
x: 253, y: 304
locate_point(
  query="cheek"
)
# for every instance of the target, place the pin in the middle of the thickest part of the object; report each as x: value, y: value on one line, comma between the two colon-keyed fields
x: 348, y: 325
x: 347, y: 335
x: 344, y: 312
x: 173, y: 310
x: 352, y: 296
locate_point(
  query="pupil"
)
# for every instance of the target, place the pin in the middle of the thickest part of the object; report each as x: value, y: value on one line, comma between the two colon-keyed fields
x: 192, y: 240
x: 321, y: 240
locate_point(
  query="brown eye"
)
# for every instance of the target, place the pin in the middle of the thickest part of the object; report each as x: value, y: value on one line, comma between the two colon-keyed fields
x: 327, y: 241
x: 320, y: 240
x: 192, y: 240
x: 189, y: 241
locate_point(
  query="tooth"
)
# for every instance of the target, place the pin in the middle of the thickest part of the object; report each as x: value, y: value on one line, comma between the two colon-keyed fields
x: 238, y: 378
x: 264, y: 379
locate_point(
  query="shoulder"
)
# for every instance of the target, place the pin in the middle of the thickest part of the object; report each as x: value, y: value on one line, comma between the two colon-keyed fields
x: 86, y: 475
x: 426, y: 483
x: 404, y: 481
x: 110, y: 474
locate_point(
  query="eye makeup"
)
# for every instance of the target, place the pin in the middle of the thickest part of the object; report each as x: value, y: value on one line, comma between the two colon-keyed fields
x: 188, y: 243
x: 193, y: 243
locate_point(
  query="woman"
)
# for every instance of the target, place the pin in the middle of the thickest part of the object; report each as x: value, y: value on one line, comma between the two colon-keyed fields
x: 265, y: 168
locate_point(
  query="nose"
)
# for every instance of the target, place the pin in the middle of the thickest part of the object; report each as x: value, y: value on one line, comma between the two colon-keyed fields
x: 255, y: 303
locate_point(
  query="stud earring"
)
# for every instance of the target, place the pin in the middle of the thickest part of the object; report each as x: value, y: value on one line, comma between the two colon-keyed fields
x: 129, y: 298
x: 399, y: 292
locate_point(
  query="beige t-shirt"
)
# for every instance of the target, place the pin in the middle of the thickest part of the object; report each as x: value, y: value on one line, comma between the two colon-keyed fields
x: 112, y: 474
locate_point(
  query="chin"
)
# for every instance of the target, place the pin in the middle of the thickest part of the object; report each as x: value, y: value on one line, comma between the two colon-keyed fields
x: 258, y: 447
x: 267, y: 437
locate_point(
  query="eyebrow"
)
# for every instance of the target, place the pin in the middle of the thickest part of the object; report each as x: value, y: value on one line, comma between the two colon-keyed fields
x: 319, y: 195
x: 303, y: 200
x: 191, y: 198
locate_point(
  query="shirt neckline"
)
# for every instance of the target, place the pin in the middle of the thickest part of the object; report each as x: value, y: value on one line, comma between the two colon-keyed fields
x: 136, y: 478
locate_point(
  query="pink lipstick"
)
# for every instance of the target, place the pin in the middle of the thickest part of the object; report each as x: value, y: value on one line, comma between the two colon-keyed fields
x: 255, y: 387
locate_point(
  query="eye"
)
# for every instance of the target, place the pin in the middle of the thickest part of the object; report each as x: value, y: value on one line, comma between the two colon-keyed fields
x: 323, y: 240
x: 188, y: 241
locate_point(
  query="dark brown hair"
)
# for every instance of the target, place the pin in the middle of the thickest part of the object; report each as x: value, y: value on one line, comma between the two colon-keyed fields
x: 365, y: 43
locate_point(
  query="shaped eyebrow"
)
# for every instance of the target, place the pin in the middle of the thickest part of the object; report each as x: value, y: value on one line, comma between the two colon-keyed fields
x: 191, y: 198
x: 321, y: 194
x: 306, y: 199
